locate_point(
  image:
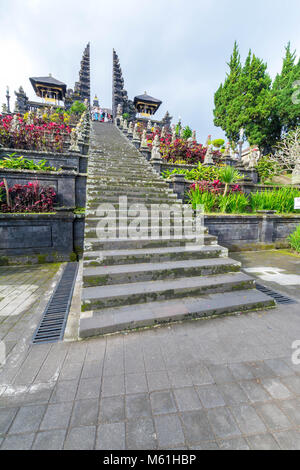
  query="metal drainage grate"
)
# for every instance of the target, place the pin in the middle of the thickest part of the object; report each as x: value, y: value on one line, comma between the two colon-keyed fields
x: 280, y: 299
x: 54, y: 319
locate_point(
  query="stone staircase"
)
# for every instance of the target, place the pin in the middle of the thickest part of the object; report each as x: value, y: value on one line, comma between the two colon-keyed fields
x: 131, y: 283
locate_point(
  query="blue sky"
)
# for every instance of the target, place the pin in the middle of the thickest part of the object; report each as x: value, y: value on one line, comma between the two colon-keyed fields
x: 176, y: 50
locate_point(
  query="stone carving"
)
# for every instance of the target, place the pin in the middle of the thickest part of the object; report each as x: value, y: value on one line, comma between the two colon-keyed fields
x: 149, y: 125
x: 173, y: 134
x: 21, y: 105
x: 163, y: 132
x: 125, y: 127
x: 190, y: 142
x: 194, y: 136
x: 155, y: 152
x: 15, y: 123
x: 136, y: 135
x: 208, y: 159
x: 250, y: 160
x: 166, y: 120
x: 74, y: 141
x: 130, y: 128
x: 144, y: 143
x: 4, y: 108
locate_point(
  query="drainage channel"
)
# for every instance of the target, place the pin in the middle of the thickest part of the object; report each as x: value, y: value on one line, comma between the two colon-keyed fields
x: 279, y: 298
x: 52, y: 325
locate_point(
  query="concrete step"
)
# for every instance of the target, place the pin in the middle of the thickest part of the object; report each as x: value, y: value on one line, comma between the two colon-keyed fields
x: 140, y: 272
x: 112, y: 320
x: 145, y: 182
x: 92, y: 222
x: 98, y: 190
x: 92, y: 244
x: 129, y: 231
x: 149, y: 291
x: 93, y: 202
x: 155, y: 255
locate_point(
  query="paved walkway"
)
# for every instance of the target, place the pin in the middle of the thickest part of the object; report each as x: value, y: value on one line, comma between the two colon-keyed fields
x: 222, y: 383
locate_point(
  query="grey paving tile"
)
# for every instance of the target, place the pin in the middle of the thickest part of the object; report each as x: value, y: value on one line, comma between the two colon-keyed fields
x: 113, y: 385
x: 234, y: 444
x: 85, y: 413
x: 111, y: 436
x: 57, y: 416
x: 273, y: 417
x: 292, y: 409
x: 276, y: 389
x: 241, y: 371
x: 162, y: 402
x: 18, y: 442
x: 200, y: 375
x: 136, y: 383
x: 70, y: 371
x: 65, y: 390
x: 88, y: 388
x: 28, y: 419
x: 221, y: 373
x: 292, y: 383
x: 247, y: 419
x: 209, y: 445
x: 187, y: 399
x: 169, y: 430
x: 179, y: 378
x: 260, y: 370
x: 49, y: 440
x: 92, y: 369
x: 112, y: 409
x: 263, y: 442
x: 158, y: 381
x: 196, y: 427
x: 288, y: 440
x: 210, y: 396
x: 140, y: 434
x: 6, y: 418
x: 82, y: 438
x: 232, y: 393
x: 223, y: 423
x: 138, y: 406
x: 255, y: 391
x: 279, y: 367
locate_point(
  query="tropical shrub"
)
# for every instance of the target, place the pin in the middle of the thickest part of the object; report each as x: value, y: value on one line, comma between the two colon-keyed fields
x: 267, y: 168
x: 26, y: 198
x: 187, y: 133
x: 281, y: 200
x: 77, y: 108
x: 207, y: 173
x: 228, y: 175
x: 21, y: 163
x: 210, y: 196
x: 294, y: 239
x: 33, y: 134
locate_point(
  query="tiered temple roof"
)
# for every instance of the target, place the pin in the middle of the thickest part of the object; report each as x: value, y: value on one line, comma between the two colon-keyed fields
x: 83, y: 86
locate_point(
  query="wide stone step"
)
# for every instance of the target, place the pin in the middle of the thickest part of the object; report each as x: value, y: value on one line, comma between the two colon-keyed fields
x: 154, y: 231
x: 92, y: 222
x: 155, y: 255
x: 93, y: 201
x: 105, y: 189
x: 149, y: 291
x: 92, y: 244
x: 112, y: 320
x: 153, y: 183
x: 123, y: 274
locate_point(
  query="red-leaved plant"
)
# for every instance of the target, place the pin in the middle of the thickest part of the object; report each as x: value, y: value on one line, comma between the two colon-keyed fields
x: 28, y: 197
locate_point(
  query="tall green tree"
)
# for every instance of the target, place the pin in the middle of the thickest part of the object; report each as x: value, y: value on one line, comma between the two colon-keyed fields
x: 245, y: 101
x: 284, y: 87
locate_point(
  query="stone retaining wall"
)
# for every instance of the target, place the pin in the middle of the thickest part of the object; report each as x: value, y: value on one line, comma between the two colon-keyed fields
x: 250, y: 232
x: 71, y: 160
x: 69, y: 186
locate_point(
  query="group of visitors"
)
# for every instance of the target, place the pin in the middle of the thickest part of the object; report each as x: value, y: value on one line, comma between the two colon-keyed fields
x: 101, y: 115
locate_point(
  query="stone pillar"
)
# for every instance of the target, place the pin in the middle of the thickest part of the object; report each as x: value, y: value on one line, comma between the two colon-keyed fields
x: 267, y: 226
x: 156, y: 163
x: 146, y: 153
x: 178, y: 185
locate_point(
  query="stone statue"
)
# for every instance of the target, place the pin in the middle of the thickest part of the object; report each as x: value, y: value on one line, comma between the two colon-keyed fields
x: 194, y: 136
x: 74, y: 141
x: 136, y: 135
x: 15, y: 123
x: 125, y: 127
x: 155, y: 152
x: 250, y: 160
x: 149, y: 125
x: 173, y: 134
x: 130, y: 128
x: 163, y: 132
x: 190, y: 142
x: 4, y: 108
x: 144, y: 143
x: 208, y: 159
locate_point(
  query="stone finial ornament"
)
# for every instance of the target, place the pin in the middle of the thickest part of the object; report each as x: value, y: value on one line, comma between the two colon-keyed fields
x: 74, y: 141
x: 194, y: 136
